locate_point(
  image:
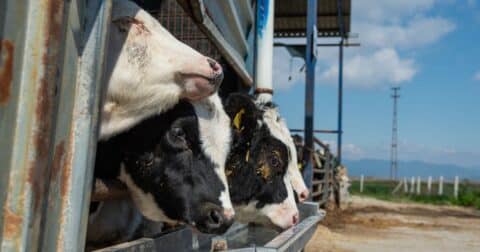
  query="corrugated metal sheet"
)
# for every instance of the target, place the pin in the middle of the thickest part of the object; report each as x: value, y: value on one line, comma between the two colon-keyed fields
x: 291, y: 18
x: 50, y: 74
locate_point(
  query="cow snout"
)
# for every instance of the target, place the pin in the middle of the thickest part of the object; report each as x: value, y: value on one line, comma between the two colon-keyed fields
x: 218, y: 222
x: 217, y: 74
x: 303, y: 195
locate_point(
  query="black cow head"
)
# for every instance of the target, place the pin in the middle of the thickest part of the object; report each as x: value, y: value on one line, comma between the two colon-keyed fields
x: 173, y: 169
x: 257, y: 167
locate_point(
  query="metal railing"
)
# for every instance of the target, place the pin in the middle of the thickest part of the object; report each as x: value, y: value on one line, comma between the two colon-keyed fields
x: 324, y: 165
x: 51, y: 65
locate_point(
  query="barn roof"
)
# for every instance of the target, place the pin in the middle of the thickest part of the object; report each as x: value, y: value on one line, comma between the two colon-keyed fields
x: 291, y: 18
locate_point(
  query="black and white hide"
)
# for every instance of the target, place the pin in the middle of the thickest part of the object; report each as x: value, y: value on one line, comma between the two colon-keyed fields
x: 174, y: 165
x: 259, y: 163
x: 149, y: 70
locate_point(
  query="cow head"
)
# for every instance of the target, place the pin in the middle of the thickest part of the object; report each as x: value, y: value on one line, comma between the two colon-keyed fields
x: 258, y: 167
x: 149, y: 70
x: 174, y: 166
x: 279, y: 129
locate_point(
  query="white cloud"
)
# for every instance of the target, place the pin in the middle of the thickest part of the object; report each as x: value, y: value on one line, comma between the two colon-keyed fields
x: 476, y: 76
x: 390, y: 32
x: 417, y: 32
x: 389, y: 10
x: 383, y: 66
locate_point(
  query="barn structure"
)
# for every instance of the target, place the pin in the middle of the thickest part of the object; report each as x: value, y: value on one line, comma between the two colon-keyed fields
x: 51, y: 66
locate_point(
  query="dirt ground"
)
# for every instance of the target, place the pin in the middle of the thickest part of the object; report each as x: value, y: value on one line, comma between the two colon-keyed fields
x: 373, y: 225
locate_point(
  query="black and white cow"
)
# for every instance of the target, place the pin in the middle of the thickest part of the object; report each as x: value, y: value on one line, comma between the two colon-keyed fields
x: 149, y: 70
x: 174, y: 165
x: 259, y: 164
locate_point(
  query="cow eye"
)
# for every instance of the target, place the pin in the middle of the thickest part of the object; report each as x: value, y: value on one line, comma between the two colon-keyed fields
x: 178, y: 132
x: 274, y: 161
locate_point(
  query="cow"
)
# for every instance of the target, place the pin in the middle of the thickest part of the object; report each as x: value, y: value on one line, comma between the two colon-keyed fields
x: 278, y: 128
x: 259, y: 164
x: 149, y: 70
x: 173, y: 164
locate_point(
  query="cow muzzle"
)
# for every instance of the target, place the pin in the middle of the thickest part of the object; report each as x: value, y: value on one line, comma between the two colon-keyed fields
x: 203, y: 82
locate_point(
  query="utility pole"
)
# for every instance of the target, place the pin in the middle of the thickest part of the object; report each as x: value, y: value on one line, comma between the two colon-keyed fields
x: 394, y: 147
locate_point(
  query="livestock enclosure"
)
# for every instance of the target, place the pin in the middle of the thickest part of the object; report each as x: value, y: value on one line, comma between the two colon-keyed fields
x: 52, y: 64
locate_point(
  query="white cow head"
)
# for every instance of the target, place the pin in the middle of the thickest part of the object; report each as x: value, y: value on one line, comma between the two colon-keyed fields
x: 149, y: 70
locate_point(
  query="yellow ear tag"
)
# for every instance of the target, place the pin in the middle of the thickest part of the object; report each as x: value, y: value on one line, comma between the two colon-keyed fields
x: 237, y: 120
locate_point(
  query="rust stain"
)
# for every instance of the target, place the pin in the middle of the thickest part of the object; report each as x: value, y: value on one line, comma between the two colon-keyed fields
x: 67, y: 169
x: 12, y: 223
x: 6, y: 70
x: 58, y: 159
x: 44, y: 106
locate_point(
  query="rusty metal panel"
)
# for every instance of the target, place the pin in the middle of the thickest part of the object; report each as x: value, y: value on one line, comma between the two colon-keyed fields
x: 51, y: 65
x: 76, y: 126
x: 31, y: 47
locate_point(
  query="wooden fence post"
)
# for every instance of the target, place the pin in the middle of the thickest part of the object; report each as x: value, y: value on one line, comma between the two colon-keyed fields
x: 361, y: 183
x: 440, y: 186
x: 405, y: 185
x: 412, y: 185
x: 429, y: 185
x: 419, y: 184
x: 455, y: 188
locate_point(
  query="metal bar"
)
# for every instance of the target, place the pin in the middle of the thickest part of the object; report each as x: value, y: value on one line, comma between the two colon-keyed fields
x: 264, y: 48
x: 281, y: 44
x: 310, y: 90
x: 324, y: 145
x: 76, y: 126
x: 340, y: 81
x: 316, y: 131
x: 340, y: 102
x: 30, y: 46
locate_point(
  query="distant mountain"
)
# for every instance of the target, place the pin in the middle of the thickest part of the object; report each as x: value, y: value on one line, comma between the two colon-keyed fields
x: 381, y: 169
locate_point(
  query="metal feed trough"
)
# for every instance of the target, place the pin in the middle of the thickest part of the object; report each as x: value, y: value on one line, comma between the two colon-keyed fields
x: 239, y: 238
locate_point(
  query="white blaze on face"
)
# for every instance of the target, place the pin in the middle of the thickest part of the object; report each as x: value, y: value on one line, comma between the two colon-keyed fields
x: 144, y: 201
x: 215, y: 135
x: 149, y: 70
x: 278, y: 128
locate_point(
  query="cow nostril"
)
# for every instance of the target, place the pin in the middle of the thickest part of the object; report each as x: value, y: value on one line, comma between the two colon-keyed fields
x: 304, y: 196
x: 215, y: 218
x: 214, y: 65
x: 295, y: 219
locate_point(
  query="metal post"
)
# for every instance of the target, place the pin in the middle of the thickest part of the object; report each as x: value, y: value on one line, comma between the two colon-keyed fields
x: 340, y: 80
x: 455, y: 188
x: 394, y: 147
x: 264, y: 49
x: 440, y: 186
x: 340, y: 102
x: 311, y: 60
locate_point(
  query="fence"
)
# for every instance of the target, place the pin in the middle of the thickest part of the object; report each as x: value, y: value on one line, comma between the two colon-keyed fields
x: 324, y: 165
x: 416, y: 187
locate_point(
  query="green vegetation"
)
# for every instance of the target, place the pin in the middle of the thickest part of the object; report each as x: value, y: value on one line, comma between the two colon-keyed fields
x: 469, y: 193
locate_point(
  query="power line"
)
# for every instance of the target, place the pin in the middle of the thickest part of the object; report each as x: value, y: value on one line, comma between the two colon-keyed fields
x: 394, y: 147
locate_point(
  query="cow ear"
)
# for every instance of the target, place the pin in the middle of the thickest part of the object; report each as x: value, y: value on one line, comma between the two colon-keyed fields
x: 242, y: 111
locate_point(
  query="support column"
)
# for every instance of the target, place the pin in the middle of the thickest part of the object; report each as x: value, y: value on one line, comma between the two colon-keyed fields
x: 340, y: 102
x: 311, y: 61
x: 264, y: 50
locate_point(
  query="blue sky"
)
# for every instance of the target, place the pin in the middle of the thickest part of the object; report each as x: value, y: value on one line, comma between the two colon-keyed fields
x: 431, y: 49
